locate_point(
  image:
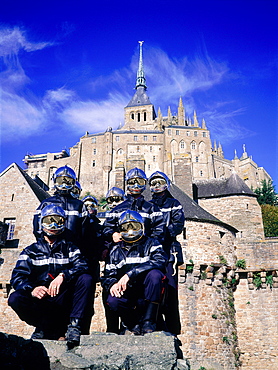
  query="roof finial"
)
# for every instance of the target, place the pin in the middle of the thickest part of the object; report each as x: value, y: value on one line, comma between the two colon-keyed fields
x: 141, y: 80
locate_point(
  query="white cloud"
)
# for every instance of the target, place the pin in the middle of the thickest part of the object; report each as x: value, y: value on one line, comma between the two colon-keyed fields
x: 224, y: 126
x: 168, y: 79
x: 12, y: 40
x: 94, y: 116
x: 18, y: 117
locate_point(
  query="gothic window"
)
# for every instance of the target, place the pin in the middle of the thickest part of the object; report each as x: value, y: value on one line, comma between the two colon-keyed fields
x: 94, y: 140
x: 95, y: 151
x: 138, y: 117
x: 204, y: 134
x: 145, y: 116
x: 94, y: 163
x: 117, y: 138
x: 174, y: 147
x: 154, y: 138
x: 193, y: 145
x: 11, y: 223
x: 145, y: 138
x: 177, y: 132
x: 195, y: 133
x: 120, y: 151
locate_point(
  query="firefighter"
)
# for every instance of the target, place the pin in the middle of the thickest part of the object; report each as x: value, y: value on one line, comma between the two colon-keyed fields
x: 134, y: 276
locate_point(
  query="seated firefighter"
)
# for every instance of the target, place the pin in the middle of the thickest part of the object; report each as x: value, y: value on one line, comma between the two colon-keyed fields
x: 52, y: 287
x: 134, y: 276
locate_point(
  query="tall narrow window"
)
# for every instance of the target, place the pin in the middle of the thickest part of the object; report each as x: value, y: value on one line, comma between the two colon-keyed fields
x: 177, y: 132
x: 138, y: 117
x: 94, y: 140
x: 93, y: 163
x: 135, y: 138
x: 151, y: 148
x: 154, y: 138
x: 117, y: 138
x: 154, y: 158
x: 195, y: 133
x: 95, y: 151
x: 11, y: 229
x: 145, y: 116
x: 145, y: 138
x: 132, y: 116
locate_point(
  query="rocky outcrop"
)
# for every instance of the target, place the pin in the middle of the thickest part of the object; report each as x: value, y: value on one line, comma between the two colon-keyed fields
x: 98, y: 351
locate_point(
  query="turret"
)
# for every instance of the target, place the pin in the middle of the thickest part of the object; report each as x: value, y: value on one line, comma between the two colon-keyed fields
x: 170, y: 117
x: 195, y: 120
x: 181, y: 115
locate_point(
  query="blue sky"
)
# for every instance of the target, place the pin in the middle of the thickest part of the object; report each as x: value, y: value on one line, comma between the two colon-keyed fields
x: 68, y: 68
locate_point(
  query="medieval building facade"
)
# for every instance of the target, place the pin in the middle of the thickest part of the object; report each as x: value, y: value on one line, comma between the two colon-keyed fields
x: 178, y: 145
x: 228, y: 285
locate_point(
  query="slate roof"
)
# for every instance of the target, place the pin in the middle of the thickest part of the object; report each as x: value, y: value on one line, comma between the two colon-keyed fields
x: 139, y: 98
x: 215, y: 188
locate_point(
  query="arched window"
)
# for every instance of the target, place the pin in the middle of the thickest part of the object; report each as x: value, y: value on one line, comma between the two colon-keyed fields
x: 145, y: 116
x: 193, y: 145
x: 132, y: 116
x: 138, y: 117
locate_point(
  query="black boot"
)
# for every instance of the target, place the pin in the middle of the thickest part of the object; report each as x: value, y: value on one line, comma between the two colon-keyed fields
x: 73, y: 333
x: 150, y: 317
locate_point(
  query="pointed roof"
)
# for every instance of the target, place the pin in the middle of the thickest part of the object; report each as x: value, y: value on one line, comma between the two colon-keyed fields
x: 140, y: 97
x: 141, y: 80
x: 215, y: 188
x: 39, y: 192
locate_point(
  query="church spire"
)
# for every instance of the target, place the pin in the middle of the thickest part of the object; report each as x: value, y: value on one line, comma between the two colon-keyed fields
x: 141, y: 80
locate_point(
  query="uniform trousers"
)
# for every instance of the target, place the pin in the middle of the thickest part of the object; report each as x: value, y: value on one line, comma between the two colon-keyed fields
x: 52, y: 314
x: 149, y: 287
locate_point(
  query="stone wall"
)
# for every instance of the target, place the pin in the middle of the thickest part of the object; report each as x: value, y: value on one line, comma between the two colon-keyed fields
x: 206, y: 242
x: 259, y: 255
x: 20, y: 203
x: 240, y: 211
x: 257, y: 326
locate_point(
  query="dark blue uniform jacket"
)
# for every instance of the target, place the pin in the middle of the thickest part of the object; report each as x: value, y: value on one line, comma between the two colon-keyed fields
x: 152, y: 217
x: 75, y: 211
x: 39, y: 263
x: 142, y: 256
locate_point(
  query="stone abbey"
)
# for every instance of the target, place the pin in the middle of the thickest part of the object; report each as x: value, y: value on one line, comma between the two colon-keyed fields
x: 228, y: 285
x: 178, y: 145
